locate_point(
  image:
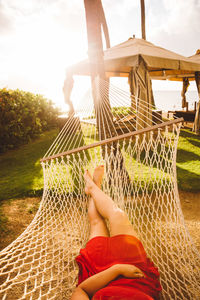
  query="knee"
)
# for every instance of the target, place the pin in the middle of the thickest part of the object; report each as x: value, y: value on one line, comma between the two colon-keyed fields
x: 95, y: 221
x: 92, y: 212
x: 94, y: 217
x: 119, y: 216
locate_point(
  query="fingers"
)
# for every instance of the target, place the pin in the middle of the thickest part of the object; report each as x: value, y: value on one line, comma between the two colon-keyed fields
x: 131, y: 271
x: 139, y: 275
x: 138, y: 271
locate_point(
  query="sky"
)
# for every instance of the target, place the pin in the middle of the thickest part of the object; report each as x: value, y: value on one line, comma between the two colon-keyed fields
x: 40, y: 38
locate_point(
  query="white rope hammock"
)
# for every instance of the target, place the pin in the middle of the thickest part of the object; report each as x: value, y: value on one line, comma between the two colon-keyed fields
x: 138, y: 151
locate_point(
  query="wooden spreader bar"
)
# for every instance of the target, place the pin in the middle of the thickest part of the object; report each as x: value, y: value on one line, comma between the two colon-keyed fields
x: 114, y: 139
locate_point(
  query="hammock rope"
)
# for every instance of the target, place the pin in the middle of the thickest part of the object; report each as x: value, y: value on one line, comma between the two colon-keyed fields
x: 40, y: 263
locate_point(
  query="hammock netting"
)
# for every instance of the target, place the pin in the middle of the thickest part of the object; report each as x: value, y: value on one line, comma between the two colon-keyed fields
x: 138, y: 149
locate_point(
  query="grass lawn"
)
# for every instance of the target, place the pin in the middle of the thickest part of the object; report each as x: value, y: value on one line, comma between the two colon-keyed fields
x: 21, y: 172
x: 188, y: 161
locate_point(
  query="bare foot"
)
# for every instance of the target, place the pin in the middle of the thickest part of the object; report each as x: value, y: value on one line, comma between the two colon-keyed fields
x: 89, y: 183
x: 98, y: 175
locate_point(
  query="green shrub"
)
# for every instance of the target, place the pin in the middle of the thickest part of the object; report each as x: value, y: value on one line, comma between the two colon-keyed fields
x: 23, y: 116
x: 117, y: 111
x: 121, y: 111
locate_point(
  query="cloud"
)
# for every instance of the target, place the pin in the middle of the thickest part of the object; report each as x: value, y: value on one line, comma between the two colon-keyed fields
x: 176, y: 24
x: 6, y: 24
x: 27, y: 8
x: 123, y: 18
x: 39, y: 38
x: 183, y: 15
x: 69, y: 15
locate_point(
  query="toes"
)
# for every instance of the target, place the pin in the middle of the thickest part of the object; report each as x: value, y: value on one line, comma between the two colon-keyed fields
x: 87, y: 175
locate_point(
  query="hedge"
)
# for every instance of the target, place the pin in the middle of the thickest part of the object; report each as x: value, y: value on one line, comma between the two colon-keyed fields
x: 24, y: 115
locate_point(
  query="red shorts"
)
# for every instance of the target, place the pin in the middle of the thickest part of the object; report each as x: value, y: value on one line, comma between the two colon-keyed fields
x: 101, y: 253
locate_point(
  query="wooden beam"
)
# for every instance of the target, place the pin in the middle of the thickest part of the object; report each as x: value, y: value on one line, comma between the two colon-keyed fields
x: 114, y: 139
x: 196, y: 125
x: 143, y: 19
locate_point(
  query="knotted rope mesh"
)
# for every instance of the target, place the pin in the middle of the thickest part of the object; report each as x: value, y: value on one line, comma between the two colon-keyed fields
x: 140, y: 175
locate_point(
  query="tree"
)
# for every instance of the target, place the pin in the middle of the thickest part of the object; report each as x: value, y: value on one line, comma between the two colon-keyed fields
x: 95, y: 20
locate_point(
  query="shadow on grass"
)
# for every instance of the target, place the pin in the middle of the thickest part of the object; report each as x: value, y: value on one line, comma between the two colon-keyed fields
x: 191, y: 137
x: 195, y: 142
x: 187, y: 180
x: 186, y: 156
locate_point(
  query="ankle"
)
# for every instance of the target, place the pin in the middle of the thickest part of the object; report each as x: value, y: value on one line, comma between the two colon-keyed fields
x: 92, y: 189
x: 97, y: 183
x: 89, y: 186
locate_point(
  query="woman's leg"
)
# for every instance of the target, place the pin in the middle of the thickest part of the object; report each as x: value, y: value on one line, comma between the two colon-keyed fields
x: 118, y: 219
x: 97, y: 223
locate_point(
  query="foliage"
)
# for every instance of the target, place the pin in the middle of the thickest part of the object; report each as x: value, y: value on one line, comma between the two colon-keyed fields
x: 89, y: 117
x: 121, y: 111
x: 117, y: 111
x: 23, y: 116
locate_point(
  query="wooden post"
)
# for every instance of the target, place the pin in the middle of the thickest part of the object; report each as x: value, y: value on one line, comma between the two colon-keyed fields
x: 196, y: 126
x: 143, y: 19
x: 186, y: 84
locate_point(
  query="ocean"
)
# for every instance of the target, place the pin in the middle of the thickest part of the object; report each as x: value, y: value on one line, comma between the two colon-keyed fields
x: 165, y: 100
x: 171, y: 100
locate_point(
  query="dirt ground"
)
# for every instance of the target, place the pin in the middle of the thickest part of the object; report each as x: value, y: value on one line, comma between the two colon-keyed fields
x: 190, y: 203
x: 17, y: 214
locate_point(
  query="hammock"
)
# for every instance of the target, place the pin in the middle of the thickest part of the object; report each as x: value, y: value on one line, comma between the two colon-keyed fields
x: 139, y: 155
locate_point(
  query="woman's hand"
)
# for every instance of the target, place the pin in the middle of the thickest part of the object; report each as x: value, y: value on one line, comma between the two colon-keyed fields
x: 129, y: 271
x: 98, y: 281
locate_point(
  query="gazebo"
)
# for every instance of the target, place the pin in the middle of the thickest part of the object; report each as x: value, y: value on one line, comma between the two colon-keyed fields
x: 159, y: 62
x: 140, y: 61
x: 196, y: 57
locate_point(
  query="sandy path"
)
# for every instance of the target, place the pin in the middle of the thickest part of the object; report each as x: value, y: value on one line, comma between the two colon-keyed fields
x: 20, y: 212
